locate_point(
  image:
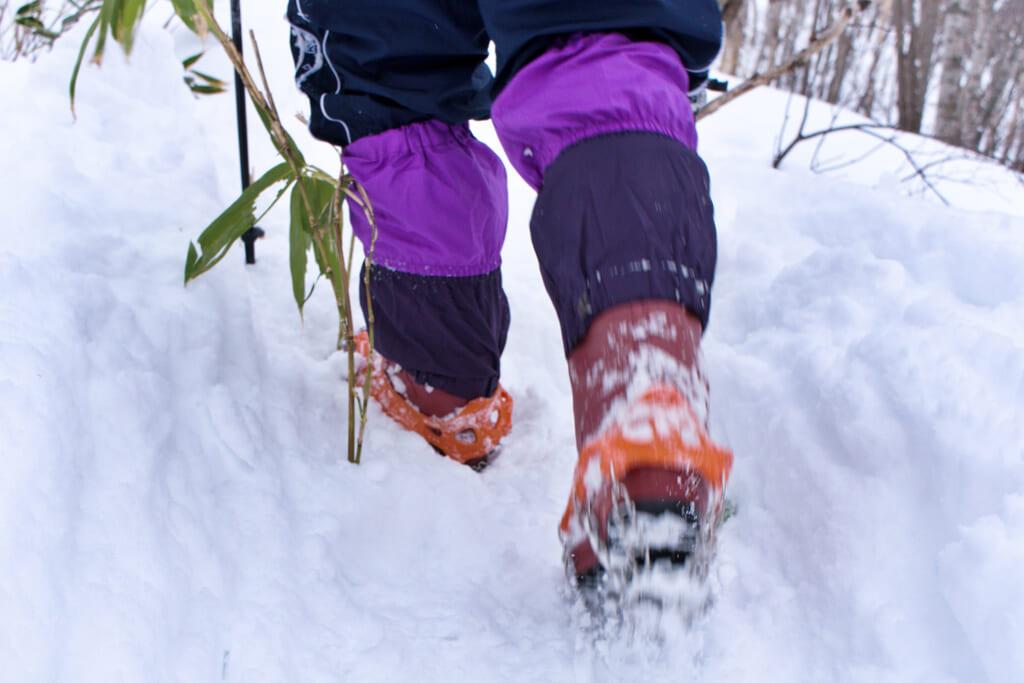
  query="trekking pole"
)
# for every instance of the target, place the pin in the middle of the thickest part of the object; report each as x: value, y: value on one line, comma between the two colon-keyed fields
x: 250, y: 236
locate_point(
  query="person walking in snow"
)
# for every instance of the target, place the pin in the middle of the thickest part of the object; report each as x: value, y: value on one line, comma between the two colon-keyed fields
x: 590, y: 102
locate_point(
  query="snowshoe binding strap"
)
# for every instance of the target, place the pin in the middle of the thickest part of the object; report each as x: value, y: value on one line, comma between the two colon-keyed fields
x: 657, y: 432
x: 469, y: 435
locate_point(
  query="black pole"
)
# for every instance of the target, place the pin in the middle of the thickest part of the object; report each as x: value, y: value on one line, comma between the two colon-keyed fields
x: 250, y: 236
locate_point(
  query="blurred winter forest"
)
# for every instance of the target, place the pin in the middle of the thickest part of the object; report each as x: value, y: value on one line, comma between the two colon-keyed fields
x: 946, y: 68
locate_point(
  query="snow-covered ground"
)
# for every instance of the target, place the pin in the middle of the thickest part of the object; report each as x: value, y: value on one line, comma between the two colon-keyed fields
x: 174, y: 500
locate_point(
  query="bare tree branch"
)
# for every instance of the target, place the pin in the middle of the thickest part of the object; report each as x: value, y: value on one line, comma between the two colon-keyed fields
x: 872, y: 129
x: 816, y: 45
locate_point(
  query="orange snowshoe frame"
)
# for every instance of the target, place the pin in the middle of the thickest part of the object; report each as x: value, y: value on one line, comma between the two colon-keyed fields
x: 660, y: 431
x: 467, y: 436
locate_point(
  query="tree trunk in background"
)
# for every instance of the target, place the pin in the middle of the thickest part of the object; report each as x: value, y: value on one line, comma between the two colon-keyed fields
x: 916, y: 23
x: 1014, y: 157
x: 980, y: 53
x: 1013, y: 154
x: 734, y: 16
x: 771, y: 39
x: 877, y: 36
x: 956, y: 38
x: 844, y: 48
x: 995, y: 90
x: 817, y: 72
x: 999, y: 98
x: 905, y: 73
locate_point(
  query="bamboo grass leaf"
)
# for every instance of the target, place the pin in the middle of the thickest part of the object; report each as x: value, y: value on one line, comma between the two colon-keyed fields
x: 31, y: 9
x: 189, y: 62
x: 297, y: 246
x: 328, y: 263
x: 191, y: 259
x: 218, y: 237
x: 187, y: 12
x: 198, y: 82
x: 127, y: 22
x: 210, y: 80
x: 37, y: 27
x: 78, y: 62
x: 200, y: 89
x: 315, y: 221
x: 319, y: 193
x: 105, y: 18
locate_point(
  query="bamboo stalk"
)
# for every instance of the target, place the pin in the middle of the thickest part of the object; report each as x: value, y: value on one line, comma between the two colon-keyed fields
x: 320, y: 237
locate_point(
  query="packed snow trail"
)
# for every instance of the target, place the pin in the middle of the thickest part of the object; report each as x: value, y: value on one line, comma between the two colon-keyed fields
x: 175, y: 505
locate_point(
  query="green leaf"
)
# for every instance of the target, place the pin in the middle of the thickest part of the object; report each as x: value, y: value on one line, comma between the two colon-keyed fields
x: 127, y: 22
x: 329, y: 262
x: 210, y: 85
x: 37, y: 27
x: 297, y: 245
x: 191, y: 259
x: 33, y: 9
x: 210, y: 80
x: 78, y: 62
x: 204, y: 89
x: 320, y: 193
x: 105, y: 18
x: 31, y: 23
x: 218, y: 237
x: 189, y: 62
x: 189, y: 15
x: 121, y: 19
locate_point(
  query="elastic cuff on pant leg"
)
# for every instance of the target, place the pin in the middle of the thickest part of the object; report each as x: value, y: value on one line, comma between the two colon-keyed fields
x: 439, y: 196
x: 623, y: 218
x: 447, y: 332
x: 588, y: 85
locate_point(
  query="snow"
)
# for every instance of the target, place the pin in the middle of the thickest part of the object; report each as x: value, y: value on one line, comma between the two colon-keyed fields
x: 174, y: 500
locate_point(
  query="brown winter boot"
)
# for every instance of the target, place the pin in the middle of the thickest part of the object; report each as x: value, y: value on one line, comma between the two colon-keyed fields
x: 646, y: 458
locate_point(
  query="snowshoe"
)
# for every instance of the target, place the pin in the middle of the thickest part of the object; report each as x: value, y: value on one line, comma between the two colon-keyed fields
x: 649, y: 481
x: 647, y: 496
x: 465, y: 431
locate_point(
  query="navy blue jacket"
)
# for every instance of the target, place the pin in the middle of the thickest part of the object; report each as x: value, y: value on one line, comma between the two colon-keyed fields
x: 383, y: 64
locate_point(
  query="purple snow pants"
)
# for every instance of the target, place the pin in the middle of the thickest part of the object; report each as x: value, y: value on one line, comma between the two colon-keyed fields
x: 600, y: 125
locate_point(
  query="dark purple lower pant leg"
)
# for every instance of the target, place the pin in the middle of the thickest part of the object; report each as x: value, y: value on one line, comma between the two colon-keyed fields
x: 602, y: 127
x: 447, y: 332
x: 440, y: 203
x: 620, y: 218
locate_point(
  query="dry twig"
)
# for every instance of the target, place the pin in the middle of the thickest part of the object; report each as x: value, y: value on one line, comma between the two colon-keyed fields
x: 816, y: 45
